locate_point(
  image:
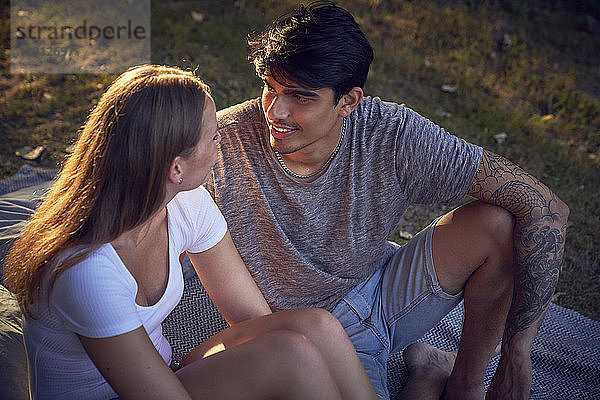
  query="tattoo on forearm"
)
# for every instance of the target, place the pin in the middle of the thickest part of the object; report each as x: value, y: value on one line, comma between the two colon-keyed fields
x: 539, y: 236
x: 538, y: 254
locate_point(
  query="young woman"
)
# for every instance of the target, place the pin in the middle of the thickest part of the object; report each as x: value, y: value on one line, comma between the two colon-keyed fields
x: 97, y: 269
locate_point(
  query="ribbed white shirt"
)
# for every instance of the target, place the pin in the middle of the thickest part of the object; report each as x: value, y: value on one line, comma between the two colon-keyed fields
x: 96, y: 298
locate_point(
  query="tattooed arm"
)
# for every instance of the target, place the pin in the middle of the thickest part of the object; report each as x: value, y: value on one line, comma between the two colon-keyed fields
x: 539, y: 238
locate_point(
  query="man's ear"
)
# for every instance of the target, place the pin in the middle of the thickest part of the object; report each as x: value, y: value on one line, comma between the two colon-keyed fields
x: 350, y: 100
x: 175, y: 171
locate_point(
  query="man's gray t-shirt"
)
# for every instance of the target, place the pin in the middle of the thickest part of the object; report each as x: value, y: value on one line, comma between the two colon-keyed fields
x: 309, y: 244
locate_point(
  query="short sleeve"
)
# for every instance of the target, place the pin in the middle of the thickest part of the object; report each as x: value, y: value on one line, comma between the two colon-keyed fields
x: 204, y: 223
x: 432, y: 165
x: 95, y: 299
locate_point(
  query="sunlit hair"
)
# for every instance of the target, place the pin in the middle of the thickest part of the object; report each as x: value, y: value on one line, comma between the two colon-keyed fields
x: 316, y: 46
x: 115, y: 178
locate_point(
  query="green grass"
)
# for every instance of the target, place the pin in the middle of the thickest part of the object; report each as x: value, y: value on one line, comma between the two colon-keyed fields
x: 528, y: 69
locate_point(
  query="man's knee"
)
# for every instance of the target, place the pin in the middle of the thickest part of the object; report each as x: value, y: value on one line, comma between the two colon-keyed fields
x: 495, y: 222
x: 496, y: 227
x: 468, y: 237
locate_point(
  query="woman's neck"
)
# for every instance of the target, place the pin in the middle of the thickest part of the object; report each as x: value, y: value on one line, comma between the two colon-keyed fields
x: 135, y: 237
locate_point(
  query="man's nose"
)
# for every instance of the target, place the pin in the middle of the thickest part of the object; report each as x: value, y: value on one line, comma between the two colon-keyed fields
x: 278, y: 109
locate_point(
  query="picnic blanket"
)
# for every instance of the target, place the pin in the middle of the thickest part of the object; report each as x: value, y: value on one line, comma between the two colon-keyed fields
x: 565, y: 354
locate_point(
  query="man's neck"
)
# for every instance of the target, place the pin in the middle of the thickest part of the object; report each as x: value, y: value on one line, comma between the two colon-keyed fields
x: 312, y: 157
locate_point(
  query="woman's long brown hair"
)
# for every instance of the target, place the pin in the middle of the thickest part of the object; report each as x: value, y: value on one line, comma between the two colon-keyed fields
x: 115, y: 178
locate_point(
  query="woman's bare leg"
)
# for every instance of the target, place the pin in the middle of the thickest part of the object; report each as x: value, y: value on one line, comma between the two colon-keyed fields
x: 276, y: 365
x: 320, y: 328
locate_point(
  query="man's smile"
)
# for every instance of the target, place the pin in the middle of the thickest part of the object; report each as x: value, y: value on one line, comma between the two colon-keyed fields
x: 281, y: 131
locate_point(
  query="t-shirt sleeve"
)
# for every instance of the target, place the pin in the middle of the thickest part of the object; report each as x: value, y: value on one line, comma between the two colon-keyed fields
x: 206, y: 226
x: 94, y: 300
x: 432, y: 165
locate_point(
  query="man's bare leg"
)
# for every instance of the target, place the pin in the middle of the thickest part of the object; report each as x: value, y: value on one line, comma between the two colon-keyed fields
x: 486, y: 308
x: 472, y: 249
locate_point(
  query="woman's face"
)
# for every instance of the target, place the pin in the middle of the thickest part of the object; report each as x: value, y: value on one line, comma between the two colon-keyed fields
x: 197, y: 167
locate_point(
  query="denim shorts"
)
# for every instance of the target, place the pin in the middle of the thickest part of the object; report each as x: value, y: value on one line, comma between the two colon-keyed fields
x: 395, y: 306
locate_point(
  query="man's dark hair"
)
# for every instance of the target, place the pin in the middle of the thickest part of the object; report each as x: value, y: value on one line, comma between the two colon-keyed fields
x: 315, y: 46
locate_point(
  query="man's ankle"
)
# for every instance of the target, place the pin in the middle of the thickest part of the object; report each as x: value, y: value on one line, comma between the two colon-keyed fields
x: 464, y: 389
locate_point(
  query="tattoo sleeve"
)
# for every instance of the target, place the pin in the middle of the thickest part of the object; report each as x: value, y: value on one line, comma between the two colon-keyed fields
x: 539, y: 236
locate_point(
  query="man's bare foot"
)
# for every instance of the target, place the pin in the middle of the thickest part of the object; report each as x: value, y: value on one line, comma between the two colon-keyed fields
x: 426, y: 360
x: 428, y: 370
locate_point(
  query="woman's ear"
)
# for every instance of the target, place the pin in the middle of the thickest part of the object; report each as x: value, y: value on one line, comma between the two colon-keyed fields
x: 350, y: 100
x: 175, y: 172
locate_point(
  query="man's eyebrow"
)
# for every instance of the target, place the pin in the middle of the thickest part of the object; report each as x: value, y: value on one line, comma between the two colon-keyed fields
x: 305, y: 93
x: 294, y: 91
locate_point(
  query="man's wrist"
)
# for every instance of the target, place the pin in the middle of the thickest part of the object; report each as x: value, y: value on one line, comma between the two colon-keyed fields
x: 519, y: 345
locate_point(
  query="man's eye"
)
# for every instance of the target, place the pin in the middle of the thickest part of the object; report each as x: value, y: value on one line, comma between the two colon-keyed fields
x: 302, y: 99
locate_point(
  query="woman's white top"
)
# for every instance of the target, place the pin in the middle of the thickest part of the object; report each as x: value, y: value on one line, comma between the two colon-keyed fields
x: 96, y: 298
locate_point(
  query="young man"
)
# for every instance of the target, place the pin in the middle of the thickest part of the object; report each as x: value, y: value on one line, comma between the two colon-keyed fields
x: 313, y: 177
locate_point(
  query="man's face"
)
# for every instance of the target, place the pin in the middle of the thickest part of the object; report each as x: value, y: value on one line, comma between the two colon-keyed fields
x: 299, y: 118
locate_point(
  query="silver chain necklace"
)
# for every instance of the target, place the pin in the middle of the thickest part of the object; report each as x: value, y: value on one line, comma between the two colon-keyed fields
x: 331, y: 157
